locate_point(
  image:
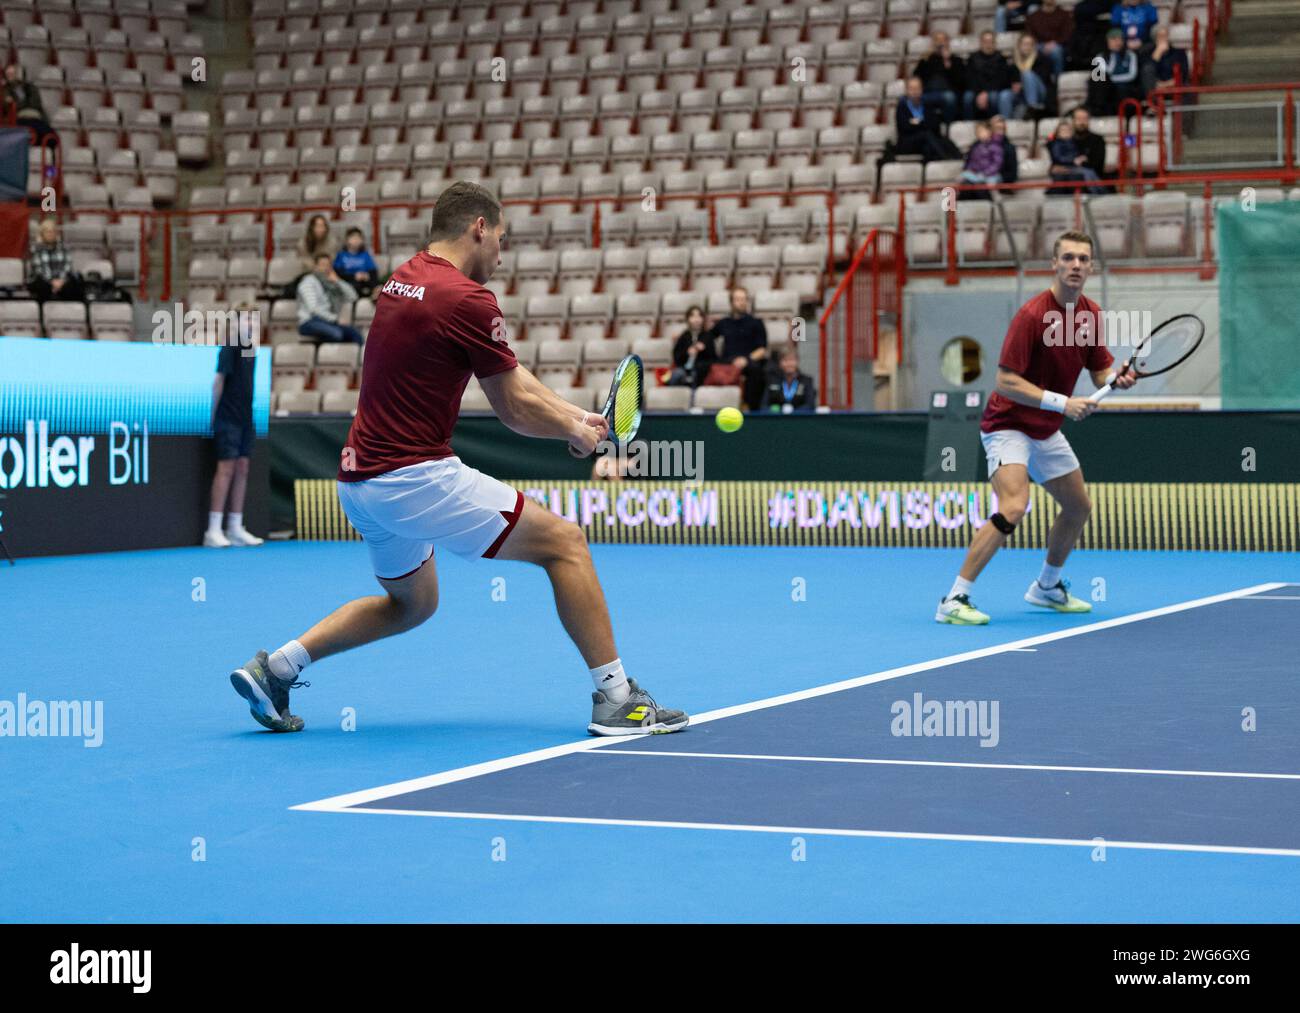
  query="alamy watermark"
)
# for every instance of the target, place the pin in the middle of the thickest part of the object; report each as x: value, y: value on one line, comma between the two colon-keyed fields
x: 237, y: 328
x: 682, y: 459
x: 946, y: 719
x: 79, y: 719
x: 1122, y: 328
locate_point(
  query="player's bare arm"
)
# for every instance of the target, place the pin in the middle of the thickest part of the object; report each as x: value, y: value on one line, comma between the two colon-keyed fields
x: 515, y: 398
x: 1014, y: 386
x: 570, y: 409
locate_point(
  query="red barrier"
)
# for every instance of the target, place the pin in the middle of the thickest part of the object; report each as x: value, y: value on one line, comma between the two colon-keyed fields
x: 850, y: 324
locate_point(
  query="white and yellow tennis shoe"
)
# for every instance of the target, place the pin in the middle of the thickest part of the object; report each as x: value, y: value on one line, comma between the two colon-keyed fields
x: 1057, y: 597
x: 959, y: 611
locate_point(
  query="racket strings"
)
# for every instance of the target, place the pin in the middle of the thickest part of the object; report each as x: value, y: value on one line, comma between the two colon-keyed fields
x: 627, y: 404
x: 1168, y: 346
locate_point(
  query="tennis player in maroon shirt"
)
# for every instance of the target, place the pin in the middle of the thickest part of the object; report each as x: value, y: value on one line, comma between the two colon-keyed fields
x: 1051, y: 339
x: 405, y: 491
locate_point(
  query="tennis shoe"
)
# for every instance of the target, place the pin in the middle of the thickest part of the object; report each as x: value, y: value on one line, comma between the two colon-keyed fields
x: 215, y: 540
x: 637, y: 715
x: 267, y: 694
x: 959, y: 611
x: 242, y: 536
x: 1057, y: 597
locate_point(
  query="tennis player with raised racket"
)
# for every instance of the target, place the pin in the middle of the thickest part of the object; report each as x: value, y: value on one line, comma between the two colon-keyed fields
x: 405, y: 491
x: 1039, y: 366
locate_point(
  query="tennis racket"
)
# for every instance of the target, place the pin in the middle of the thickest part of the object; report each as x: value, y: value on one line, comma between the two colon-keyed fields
x: 1167, y: 346
x: 625, y: 402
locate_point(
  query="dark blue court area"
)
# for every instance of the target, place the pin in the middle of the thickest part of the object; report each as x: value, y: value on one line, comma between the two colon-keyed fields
x: 850, y: 758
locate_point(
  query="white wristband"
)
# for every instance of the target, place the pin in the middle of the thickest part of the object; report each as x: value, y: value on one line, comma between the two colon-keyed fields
x: 1053, y: 402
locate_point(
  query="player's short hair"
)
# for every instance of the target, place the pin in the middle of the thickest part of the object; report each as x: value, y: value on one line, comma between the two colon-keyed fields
x: 458, y: 206
x: 1073, y: 236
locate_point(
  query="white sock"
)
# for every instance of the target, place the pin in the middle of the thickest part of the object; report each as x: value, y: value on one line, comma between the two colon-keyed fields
x: 612, y: 681
x: 1050, y: 577
x: 288, y: 662
x: 235, y: 522
x: 961, y: 586
x: 214, y: 521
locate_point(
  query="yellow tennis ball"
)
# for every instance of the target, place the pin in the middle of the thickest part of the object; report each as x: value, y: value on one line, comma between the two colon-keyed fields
x: 729, y: 419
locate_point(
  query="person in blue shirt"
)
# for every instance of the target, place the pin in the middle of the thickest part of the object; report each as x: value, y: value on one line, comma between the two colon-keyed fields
x: 1135, y: 18
x: 355, y: 265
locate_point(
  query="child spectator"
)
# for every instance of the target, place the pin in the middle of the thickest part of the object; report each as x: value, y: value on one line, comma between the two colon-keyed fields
x: 1068, y: 162
x: 355, y: 265
x: 984, y: 160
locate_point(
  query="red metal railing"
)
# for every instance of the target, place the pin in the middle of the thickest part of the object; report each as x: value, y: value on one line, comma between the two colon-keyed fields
x: 850, y: 324
x: 169, y: 220
x: 1175, y: 96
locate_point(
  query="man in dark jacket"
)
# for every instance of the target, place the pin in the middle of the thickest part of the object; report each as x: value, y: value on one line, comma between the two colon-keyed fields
x: 918, y: 124
x: 1090, y: 144
x: 991, y: 81
x: 744, y: 345
x: 943, y: 77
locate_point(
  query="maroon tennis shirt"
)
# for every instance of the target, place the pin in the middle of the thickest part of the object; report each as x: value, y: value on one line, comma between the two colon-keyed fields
x: 1047, y: 350
x: 433, y: 329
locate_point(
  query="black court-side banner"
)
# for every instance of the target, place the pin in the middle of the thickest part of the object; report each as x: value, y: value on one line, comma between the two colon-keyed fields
x: 1194, y: 516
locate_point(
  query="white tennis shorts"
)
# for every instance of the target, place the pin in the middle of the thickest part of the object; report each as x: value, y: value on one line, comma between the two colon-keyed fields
x: 402, y: 514
x: 1046, y: 459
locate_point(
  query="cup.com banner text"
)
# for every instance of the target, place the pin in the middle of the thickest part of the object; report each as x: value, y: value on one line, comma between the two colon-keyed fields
x: 1126, y: 515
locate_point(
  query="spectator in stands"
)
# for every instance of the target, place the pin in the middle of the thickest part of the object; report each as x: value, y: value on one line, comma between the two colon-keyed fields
x: 1120, y: 81
x: 918, y: 125
x: 49, y: 267
x: 1091, y: 23
x: 1035, y: 76
x: 694, y: 352
x: 1093, y: 146
x: 26, y: 98
x: 744, y: 344
x: 355, y: 265
x: 984, y: 160
x: 991, y: 81
x: 1068, y: 162
x: 233, y: 434
x: 1134, y: 19
x: 314, y: 242
x: 1159, y: 60
x: 943, y: 76
x: 789, y: 390
x: 1010, y: 158
x: 1010, y: 15
x: 1052, y: 26
x: 321, y: 296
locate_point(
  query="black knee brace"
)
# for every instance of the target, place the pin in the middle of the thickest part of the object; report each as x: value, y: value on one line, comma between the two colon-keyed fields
x: 1002, y: 524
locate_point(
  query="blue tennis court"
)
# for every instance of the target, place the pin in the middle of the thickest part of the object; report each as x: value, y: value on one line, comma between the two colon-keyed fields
x: 1126, y: 732
x: 1119, y: 782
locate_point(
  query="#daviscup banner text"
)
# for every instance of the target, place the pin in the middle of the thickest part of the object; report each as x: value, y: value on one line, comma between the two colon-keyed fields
x: 1126, y: 515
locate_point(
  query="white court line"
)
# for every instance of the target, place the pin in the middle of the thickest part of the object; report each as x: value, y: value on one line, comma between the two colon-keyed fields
x: 1274, y: 597
x: 913, y: 835
x: 951, y: 763
x: 344, y: 803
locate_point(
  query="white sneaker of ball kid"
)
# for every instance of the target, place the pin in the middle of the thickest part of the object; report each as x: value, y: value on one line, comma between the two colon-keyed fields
x: 242, y: 536
x: 215, y: 540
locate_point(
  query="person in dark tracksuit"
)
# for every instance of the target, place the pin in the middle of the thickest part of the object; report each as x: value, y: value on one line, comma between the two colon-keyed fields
x: 789, y: 390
